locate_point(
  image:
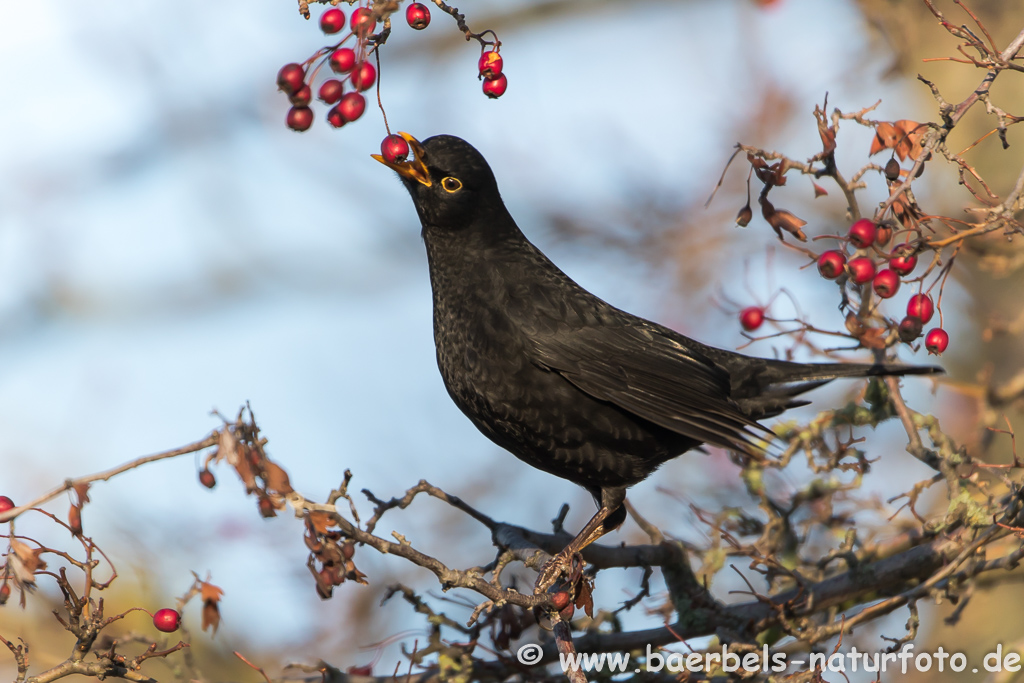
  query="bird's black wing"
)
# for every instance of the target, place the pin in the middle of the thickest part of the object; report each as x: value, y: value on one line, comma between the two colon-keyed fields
x: 649, y: 372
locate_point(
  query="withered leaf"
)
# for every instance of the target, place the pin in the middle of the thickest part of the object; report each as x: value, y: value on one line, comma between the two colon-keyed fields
x: 780, y: 220
x: 321, y: 521
x: 277, y: 479
x: 886, y: 137
x: 211, y: 616
x: 227, y: 446
x: 82, y: 492
x: 910, y: 134
x: 819, y: 191
x: 210, y: 593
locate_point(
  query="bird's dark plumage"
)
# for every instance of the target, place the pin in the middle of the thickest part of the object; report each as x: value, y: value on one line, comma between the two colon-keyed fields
x: 563, y: 380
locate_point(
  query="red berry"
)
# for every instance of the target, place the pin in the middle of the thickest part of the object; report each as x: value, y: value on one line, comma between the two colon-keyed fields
x: 299, y: 118
x: 751, y: 318
x: 903, y: 261
x: 560, y: 600
x: 417, y: 15
x: 290, y: 77
x: 6, y: 504
x: 910, y: 328
x: 364, y: 76
x: 335, y: 117
x: 862, y: 269
x: 207, y: 479
x: 5, y: 592
x: 362, y: 21
x: 496, y: 88
x: 394, y: 148
x: 301, y: 97
x: 342, y: 60
x: 862, y: 233
x: 166, y: 620
x: 920, y: 306
x: 831, y: 264
x: 332, y: 21
x: 886, y: 283
x: 331, y: 91
x: 351, y: 106
x: 936, y: 341
x: 490, y: 65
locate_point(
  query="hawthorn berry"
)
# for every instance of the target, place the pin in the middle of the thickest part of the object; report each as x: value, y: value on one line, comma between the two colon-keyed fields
x: 6, y: 504
x: 351, y: 106
x: 167, y: 620
x: 342, y: 60
x: 364, y: 76
x: 910, y: 328
x: 886, y: 283
x: 332, y: 21
x: 362, y: 22
x: 417, y: 15
x: 560, y: 600
x: 862, y: 233
x: 751, y: 318
x: 892, y: 170
x: 831, y: 264
x: 331, y: 91
x: 920, y: 306
x: 862, y: 269
x: 5, y: 592
x: 302, y: 96
x: 744, y: 216
x: 936, y: 341
x: 496, y: 88
x: 394, y: 148
x: 299, y: 118
x: 490, y: 65
x: 335, y: 117
x: 902, y: 260
x: 290, y: 77
x: 207, y: 479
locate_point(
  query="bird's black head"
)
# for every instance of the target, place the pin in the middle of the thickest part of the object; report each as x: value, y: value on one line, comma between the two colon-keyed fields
x: 450, y: 182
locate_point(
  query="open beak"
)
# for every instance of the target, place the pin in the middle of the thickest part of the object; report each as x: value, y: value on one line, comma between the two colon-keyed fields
x: 415, y: 169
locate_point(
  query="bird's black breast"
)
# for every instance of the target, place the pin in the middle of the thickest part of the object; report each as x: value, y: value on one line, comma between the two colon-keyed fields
x: 490, y: 305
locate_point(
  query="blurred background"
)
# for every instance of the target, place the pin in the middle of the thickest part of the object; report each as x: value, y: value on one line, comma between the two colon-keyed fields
x: 169, y: 247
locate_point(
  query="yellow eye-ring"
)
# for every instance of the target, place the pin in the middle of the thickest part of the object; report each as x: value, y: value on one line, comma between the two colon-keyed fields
x: 451, y: 184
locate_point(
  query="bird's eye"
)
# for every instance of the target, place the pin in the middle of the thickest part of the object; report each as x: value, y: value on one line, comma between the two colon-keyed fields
x: 451, y: 184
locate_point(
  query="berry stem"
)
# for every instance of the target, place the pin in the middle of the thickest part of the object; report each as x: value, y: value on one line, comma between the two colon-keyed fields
x: 376, y: 54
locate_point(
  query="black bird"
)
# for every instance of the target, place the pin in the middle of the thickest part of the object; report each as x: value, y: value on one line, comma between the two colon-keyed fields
x: 563, y: 380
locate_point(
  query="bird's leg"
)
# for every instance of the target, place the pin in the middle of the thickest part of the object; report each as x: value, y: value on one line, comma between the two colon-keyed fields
x: 609, y: 517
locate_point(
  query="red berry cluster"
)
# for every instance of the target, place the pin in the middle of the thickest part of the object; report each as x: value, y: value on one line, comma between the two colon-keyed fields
x: 354, y: 72
x: 901, y: 261
x: 495, y: 82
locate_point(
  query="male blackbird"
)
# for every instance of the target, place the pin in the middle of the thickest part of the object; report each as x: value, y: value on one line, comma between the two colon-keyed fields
x: 563, y: 380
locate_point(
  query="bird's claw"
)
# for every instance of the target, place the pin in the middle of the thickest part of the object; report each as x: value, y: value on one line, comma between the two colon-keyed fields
x: 564, y: 563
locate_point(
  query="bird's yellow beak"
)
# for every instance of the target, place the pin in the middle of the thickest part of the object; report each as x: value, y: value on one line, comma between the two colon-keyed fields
x: 415, y: 168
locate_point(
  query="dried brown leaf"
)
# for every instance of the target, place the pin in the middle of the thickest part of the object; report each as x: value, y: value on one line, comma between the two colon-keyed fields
x: 886, y: 136
x: 211, y: 616
x: 277, y: 479
x: 210, y: 593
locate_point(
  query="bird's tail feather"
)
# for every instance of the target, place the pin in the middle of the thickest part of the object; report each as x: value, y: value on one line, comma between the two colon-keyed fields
x: 785, y: 372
